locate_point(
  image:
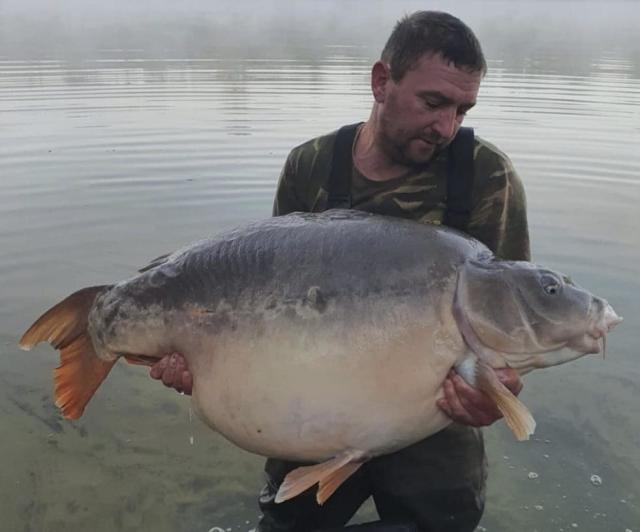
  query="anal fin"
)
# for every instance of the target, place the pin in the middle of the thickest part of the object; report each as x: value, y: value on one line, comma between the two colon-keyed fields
x: 516, y: 414
x: 140, y: 360
x: 330, y: 475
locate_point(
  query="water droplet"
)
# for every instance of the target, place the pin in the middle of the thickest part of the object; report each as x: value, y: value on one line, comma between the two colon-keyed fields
x: 596, y: 480
x: 191, y: 438
x: 533, y: 474
x: 574, y: 525
x: 546, y: 455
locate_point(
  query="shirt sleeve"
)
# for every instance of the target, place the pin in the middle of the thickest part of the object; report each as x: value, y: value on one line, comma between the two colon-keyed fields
x: 499, y: 218
x: 287, y: 199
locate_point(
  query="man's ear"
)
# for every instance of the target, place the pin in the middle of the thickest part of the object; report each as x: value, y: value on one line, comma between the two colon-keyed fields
x: 380, y: 76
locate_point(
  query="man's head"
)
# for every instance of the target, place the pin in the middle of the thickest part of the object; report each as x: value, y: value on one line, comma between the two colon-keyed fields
x: 427, y: 78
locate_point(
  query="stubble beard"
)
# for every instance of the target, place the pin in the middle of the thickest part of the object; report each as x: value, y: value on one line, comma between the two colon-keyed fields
x: 399, y: 151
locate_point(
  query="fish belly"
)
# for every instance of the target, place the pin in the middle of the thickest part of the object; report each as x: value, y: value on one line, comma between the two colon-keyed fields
x: 309, y: 393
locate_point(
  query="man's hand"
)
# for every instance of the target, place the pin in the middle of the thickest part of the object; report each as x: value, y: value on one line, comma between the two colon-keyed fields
x: 173, y: 372
x: 469, y: 406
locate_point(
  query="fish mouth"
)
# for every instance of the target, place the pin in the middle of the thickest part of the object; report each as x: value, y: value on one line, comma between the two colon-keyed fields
x: 595, y: 340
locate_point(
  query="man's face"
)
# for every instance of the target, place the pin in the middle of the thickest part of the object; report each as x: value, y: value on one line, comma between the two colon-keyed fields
x: 421, y: 114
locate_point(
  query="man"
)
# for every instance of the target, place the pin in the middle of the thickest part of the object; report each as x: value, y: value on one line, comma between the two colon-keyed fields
x: 426, y: 80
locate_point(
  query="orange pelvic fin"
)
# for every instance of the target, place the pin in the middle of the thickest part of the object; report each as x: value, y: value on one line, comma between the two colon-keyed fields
x: 80, y: 372
x: 331, y: 483
x: 330, y: 475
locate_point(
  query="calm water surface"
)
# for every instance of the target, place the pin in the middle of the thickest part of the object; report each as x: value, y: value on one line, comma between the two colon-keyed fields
x: 125, y: 134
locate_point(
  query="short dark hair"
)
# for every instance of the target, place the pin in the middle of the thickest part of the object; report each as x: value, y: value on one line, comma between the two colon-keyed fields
x: 432, y: 32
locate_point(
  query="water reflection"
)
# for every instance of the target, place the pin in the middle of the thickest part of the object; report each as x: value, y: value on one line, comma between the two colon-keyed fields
x: 124, y: 137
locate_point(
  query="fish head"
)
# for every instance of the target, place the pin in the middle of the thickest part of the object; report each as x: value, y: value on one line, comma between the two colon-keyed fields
x: 518, y: 308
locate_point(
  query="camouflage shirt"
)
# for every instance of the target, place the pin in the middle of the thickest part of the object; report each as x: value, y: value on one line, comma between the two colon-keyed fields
x: 498, y: 218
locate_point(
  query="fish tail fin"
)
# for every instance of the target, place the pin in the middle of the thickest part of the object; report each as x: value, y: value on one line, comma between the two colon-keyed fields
x: 516, y: 414
x: 80, y: 372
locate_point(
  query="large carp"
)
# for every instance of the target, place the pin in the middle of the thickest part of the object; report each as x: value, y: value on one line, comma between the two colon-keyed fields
x: 327, y: 337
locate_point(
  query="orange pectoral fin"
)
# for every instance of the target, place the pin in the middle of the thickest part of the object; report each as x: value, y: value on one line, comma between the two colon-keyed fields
x: 78, y: 376
x: 516, y: 414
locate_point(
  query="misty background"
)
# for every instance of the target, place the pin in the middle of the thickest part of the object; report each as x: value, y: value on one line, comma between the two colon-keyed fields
x: 512, y: 31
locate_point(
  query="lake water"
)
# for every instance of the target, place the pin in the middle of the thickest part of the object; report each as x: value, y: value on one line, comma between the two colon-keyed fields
x: 128, y: 131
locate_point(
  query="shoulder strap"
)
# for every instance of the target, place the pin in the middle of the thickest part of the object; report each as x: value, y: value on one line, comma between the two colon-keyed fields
x: 460, y: 179
x: 341, y: 165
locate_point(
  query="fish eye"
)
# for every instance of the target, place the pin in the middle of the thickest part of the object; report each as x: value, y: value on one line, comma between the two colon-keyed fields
x: 551, y: 284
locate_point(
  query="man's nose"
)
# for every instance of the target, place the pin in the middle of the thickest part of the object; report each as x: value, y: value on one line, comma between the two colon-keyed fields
x: 446, y: 122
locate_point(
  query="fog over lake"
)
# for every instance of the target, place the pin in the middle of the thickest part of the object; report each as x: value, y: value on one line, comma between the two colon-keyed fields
x: 128, y: 130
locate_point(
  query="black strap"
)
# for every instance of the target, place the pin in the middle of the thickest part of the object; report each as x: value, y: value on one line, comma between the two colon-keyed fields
x: 341, y: 166
x: 460, y: 180
x: 460, y: 175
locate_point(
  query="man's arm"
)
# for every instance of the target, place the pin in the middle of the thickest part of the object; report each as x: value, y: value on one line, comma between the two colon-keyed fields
x: 287, y: 199
x: 499, y: 218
